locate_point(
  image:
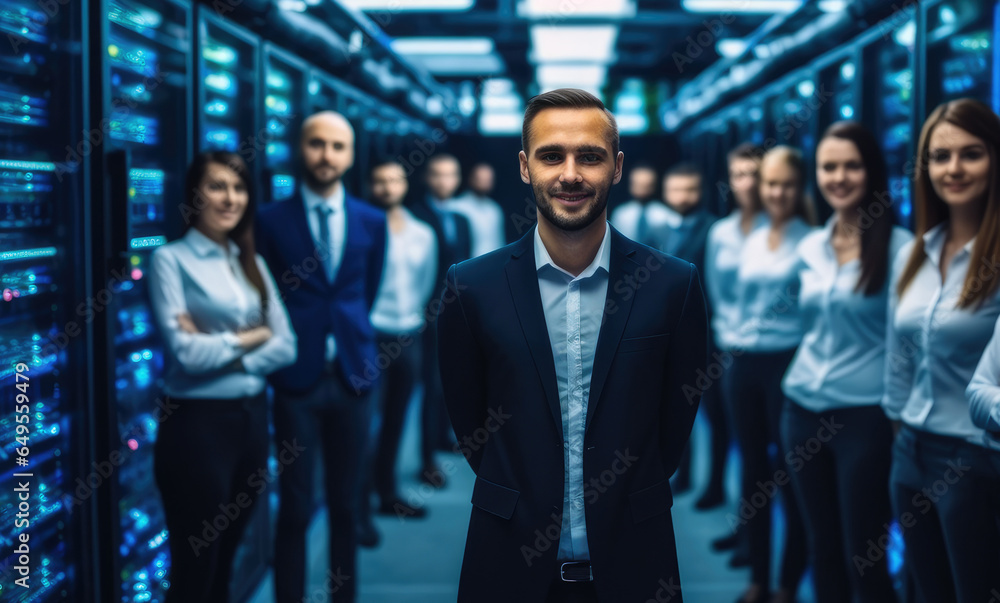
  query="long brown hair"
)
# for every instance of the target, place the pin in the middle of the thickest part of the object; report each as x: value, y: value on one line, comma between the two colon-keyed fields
x: 978, y: 120
x: 793, y: 158
x: 242, y: 233
x: 875, y: 238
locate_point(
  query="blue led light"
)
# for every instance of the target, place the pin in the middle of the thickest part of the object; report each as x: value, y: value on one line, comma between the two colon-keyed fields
x: 136, y: 357
x: 847, y: 111
x: 147, y: 355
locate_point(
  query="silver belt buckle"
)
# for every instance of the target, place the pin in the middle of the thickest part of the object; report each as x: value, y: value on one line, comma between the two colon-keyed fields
x: 576, y: 568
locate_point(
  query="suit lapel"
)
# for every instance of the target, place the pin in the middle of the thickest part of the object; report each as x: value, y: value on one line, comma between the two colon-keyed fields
x: 614, y: 323
x: 307, y: 246
x: 522, y: 279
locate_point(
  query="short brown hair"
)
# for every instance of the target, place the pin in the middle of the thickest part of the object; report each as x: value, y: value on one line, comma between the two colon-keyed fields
x: 568, y: 98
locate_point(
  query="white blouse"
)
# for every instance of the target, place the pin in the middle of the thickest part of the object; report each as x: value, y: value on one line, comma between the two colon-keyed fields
x: 722, y: 264
x: 767, y: 291
x: 841, y: 361
x: 196, y: 276
x: 932, y: 347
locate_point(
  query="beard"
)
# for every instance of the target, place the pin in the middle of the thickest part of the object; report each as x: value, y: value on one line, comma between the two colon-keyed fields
x: 309, y: 175
x: 597, y: 205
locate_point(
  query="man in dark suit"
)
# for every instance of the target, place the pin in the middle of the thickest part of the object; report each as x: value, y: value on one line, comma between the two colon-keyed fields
x: 326, y: 250
x: 684, y: 234
x: 569, y: 361
x: 454, y: 242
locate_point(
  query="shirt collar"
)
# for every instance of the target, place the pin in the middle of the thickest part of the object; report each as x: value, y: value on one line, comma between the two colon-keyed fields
x: 934, y: 243
x: 204, y: 246
x: 601, y: 260
x: 335, y: 201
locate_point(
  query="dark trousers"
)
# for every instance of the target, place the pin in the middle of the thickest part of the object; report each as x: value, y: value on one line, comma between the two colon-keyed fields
x: 840, y: 462
x: 713, y: 400
x: 571, y: 592
x: 394, y: 392
x: 944, y: 495
x: 434, y: 422
x: 205, y: 458
x: 755, y: 388
x: 329, y: 420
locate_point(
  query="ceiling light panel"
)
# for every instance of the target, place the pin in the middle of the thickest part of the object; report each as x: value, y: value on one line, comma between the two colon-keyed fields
x: 589, y: 44
x: 741, y: 6
x: 409, y: 5
x: 573, y: 9
x: 442, y: 46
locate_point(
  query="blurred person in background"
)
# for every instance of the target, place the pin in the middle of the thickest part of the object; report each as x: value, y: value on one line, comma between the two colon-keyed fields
x: 329, y: 249
x: 684, y: 235
x: 225, y: 329
x: 722, y: 261
x: 398, y: 318
x: 453, y: 233
x: 943, y: 306
x: 485, y: 216
x: 641, y: 218
x: 835, y: 384
x: 770, y: 330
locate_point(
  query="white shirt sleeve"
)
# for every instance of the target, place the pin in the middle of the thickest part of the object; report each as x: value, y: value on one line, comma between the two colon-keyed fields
x: 899, y: 353
x: 983, y: 392
x: 196, y: 353
x: 280, y: 350
x: 428, y: 272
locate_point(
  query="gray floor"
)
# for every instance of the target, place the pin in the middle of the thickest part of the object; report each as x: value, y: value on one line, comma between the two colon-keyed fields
x: 418, y: 561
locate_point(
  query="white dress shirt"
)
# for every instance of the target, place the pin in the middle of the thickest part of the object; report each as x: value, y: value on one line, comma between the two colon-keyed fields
x: 626, y: 219
x: 841, y: 361
x: 408, y: 280
x: 574, y: 309
x: 722, y: 263
x: 933, y: 346
x: 486, y: 220
x: 983, y: 392
x: 338, y: 235
x: 767, y: 291
x: 196, y: 276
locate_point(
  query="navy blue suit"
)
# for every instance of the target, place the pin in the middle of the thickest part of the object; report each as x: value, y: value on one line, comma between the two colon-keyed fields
x: 317, y: 307
x: 502, y: 396
x: 321, y: 408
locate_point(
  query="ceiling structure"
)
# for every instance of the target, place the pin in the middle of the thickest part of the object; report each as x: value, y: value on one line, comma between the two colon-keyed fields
x: 634, y: 53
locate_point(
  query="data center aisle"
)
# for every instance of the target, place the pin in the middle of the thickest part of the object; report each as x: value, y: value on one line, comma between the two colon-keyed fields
x: 419, y: 561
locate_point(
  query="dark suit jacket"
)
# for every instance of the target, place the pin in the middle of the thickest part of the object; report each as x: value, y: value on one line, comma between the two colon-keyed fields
x: 447, y: 254
x: 316, y: 306
x: 500, y: 388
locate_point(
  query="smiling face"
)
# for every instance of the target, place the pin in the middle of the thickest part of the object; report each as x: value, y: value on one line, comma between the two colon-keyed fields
x: 224, y: 197
x: 570, y: 166
x: 780, y: 188
x: 958, y: 165
x: 840, y: 173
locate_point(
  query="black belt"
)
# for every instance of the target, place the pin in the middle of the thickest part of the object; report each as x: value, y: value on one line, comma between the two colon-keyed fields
x: 575, y: 571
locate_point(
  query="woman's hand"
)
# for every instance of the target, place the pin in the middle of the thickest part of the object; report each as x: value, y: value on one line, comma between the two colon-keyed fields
x: 186, y: 323
x: 254, y: 337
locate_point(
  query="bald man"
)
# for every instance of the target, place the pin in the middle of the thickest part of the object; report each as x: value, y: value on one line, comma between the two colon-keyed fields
x: 326, y: 250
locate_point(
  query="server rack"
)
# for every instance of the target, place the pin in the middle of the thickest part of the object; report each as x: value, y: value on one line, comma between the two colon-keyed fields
x: 889, y: 108
x: 45, y: 498
x: 283, y: 106
x: 145, y: 72
x: 226, y: 107
x: 959, y: 53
